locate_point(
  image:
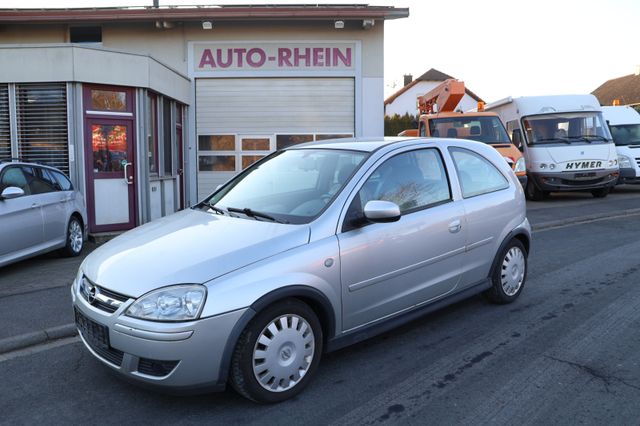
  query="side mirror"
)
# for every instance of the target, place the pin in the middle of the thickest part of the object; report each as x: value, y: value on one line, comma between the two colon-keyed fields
x: 379, y: 211
x: 11, y: 192
x: 516, y: 137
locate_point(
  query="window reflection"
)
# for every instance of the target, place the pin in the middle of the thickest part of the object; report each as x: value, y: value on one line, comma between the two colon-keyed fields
x: 108, y: 100
x: 109, y: 145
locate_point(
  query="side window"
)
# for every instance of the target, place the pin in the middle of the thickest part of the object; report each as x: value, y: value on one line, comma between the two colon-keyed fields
x: 413, y: 180
x: 37, y: 182
x: 13, y: 176
x: 47, y: 177
x: 65, y: 184
x: 477, y: 175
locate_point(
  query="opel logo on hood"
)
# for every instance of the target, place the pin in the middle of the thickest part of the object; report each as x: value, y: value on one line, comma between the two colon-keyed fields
x: 90, y: 291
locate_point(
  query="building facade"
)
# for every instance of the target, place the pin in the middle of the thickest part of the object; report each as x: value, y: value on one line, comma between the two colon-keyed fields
x: 150, y: 109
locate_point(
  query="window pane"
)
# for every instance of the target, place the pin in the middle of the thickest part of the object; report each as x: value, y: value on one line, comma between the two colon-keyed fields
x: 109, y: 145
x: 412, y: 180
x: 477, y: 175
x: 255, y: 144
x: 65, y: 184
x: 5, y: 137
x: 217, y: 163
x: 337, y: 136
x: 248, y: 160
x: 13, y: 176
x: 85, y: 34
x: 217, y: 143
x: 152, y: 142
x: 108, y: 100
x: 285, y: 141
x: 42, y: 124
x: 166, y: 126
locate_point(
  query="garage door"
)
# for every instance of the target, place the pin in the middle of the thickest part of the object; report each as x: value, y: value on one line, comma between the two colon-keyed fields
x: 239, y: 121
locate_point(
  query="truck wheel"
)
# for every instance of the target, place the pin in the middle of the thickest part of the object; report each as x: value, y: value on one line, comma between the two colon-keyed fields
x: 278, y: 353
x: 509, y: 275
x: 600, y: 193
x: 533, y: 193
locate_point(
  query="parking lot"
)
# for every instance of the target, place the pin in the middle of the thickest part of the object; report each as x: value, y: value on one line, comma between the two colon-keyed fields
x: 565, y: 352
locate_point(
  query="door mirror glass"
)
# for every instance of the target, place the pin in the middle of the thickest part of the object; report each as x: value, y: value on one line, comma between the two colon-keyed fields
x: 379, y: 211
x: 516, y: 137
x: 11, y: 192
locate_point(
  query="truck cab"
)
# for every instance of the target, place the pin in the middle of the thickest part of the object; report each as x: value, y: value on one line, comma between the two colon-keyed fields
x: 566, y: 143
x: 624, y: 124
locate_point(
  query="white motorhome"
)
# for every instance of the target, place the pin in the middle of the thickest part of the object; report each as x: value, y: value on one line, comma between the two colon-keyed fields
x: 566, y: 143
x: 624, y: 124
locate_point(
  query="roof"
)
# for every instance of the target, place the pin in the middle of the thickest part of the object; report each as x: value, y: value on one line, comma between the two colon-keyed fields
x: 431, y: 75
x: 198, y: 13
x: 353, y: 144
x: 626, y: 88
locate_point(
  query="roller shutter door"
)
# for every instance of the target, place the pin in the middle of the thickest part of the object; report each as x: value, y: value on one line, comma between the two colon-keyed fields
x: 240, y: 120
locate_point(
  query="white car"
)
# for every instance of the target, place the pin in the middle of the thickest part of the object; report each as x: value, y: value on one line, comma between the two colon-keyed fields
x: 40, y: 211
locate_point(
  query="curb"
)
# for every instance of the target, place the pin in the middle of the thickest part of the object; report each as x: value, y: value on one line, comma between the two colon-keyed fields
x: 583, y: 219
x: 14, y: 343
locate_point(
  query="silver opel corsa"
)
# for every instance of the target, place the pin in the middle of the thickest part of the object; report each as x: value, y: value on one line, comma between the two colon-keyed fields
x: 313, y: 248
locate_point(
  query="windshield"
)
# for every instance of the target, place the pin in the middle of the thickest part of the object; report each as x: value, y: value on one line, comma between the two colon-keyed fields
x: 482, y: 129
x: 292, y: 186
x: 566, y: 128
x: 628, y: 134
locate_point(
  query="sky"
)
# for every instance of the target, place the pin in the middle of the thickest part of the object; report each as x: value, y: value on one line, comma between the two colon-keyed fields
x: 499, y: 48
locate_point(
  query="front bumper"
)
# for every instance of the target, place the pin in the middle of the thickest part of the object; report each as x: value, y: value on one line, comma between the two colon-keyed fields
x: 628, y: 175
x: 567, y: 181
x: 523, y: 180
x: 177, y: 357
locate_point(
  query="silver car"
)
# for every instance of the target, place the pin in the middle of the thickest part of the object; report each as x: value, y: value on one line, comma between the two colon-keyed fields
x: 39, y: 212
x: 311, y: 249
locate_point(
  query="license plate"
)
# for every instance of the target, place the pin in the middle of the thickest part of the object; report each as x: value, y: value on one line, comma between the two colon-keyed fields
x: 585, y: 175
x: 96, y: 334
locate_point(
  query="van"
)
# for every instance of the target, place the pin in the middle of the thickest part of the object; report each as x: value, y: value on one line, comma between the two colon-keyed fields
x: 624, y: 124
x: 566, y: 143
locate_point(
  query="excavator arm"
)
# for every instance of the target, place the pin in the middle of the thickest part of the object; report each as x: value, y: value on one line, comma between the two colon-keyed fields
x: 443, y: 98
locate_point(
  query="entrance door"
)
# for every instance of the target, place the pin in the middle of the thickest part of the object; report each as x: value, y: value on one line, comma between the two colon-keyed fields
x: 110, y: 174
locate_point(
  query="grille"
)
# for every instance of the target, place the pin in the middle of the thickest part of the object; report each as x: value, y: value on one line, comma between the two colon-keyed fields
x: 100, y: 297
x: 153, y: 367
x: 97, y: 337
x: 581, y: 182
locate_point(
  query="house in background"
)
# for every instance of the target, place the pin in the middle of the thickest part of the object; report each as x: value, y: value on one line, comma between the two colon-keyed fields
x: 626, y: 88
x: 405, y: 100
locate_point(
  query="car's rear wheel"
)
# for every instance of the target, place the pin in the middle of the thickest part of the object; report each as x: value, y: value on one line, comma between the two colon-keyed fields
x: 278, y: 352
x: 75, y: 238
x: 509, y: 274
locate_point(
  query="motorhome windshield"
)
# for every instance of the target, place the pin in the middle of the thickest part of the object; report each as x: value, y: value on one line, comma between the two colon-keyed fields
x: 483, y: 129
x: 627, y: 134
x: 566, y: 128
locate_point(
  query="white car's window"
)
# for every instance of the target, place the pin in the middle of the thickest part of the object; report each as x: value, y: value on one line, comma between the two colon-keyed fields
x: 14, y: 177
x: 413, y: 180
x: 65, y: 184
x: 476, y: 174
x: 292, y: 186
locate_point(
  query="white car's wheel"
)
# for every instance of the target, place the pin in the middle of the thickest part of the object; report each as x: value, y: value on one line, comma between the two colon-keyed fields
x: 277, y: 353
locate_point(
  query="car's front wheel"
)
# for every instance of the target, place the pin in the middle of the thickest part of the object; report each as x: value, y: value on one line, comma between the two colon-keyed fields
x: 509, y: 273
x: 75, y: 238
x: 601, y: 192
x: 278, y: 352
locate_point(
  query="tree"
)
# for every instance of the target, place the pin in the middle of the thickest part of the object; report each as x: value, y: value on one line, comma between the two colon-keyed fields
x: 397, y: 123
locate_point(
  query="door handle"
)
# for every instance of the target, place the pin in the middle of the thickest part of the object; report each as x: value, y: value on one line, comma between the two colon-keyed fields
x: 127, y: 178
x: 455, y: 226
x: 35, y: 205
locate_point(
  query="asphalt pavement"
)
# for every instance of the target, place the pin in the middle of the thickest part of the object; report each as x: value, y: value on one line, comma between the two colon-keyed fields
x: 565, y: 352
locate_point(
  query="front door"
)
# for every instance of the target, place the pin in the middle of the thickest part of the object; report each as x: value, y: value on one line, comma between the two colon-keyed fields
x: 110, y: 174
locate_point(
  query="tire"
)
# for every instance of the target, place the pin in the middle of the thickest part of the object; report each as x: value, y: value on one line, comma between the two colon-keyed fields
x: 278, y: 352
x: 74, y: 240
x: 509, y: 275
x: 600, y: 193
x: 533, y: 193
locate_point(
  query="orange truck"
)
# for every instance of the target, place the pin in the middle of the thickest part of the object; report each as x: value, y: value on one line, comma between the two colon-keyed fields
x: 438, y: 118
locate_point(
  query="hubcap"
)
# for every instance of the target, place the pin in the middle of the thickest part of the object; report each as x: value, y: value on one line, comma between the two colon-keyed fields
x: 283, y: 353
x: 513, y: 269
x: 75, y: 236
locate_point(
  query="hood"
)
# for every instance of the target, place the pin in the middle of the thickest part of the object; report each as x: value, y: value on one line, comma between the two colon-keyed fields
x: 586, y: 152
x: 191, y: 246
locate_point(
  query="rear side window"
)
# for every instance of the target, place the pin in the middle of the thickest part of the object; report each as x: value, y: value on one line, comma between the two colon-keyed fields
x: 65, y: 184
x: 477, y: 175
x: 38, y: 182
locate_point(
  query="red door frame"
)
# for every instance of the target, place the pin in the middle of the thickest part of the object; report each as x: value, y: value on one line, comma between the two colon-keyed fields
x: 129, y: 121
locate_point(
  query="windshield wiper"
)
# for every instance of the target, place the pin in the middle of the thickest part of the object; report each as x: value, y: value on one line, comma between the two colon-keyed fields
x: 215, y: 208
x: 565, y: 140
x: 254, y: 214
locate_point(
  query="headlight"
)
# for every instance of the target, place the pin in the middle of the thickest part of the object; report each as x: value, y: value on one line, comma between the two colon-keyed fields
x: 175, y: 303
x: 543, y: 165
x: 552, y: 166
x: 624, y: 161
x: 521, y: 165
